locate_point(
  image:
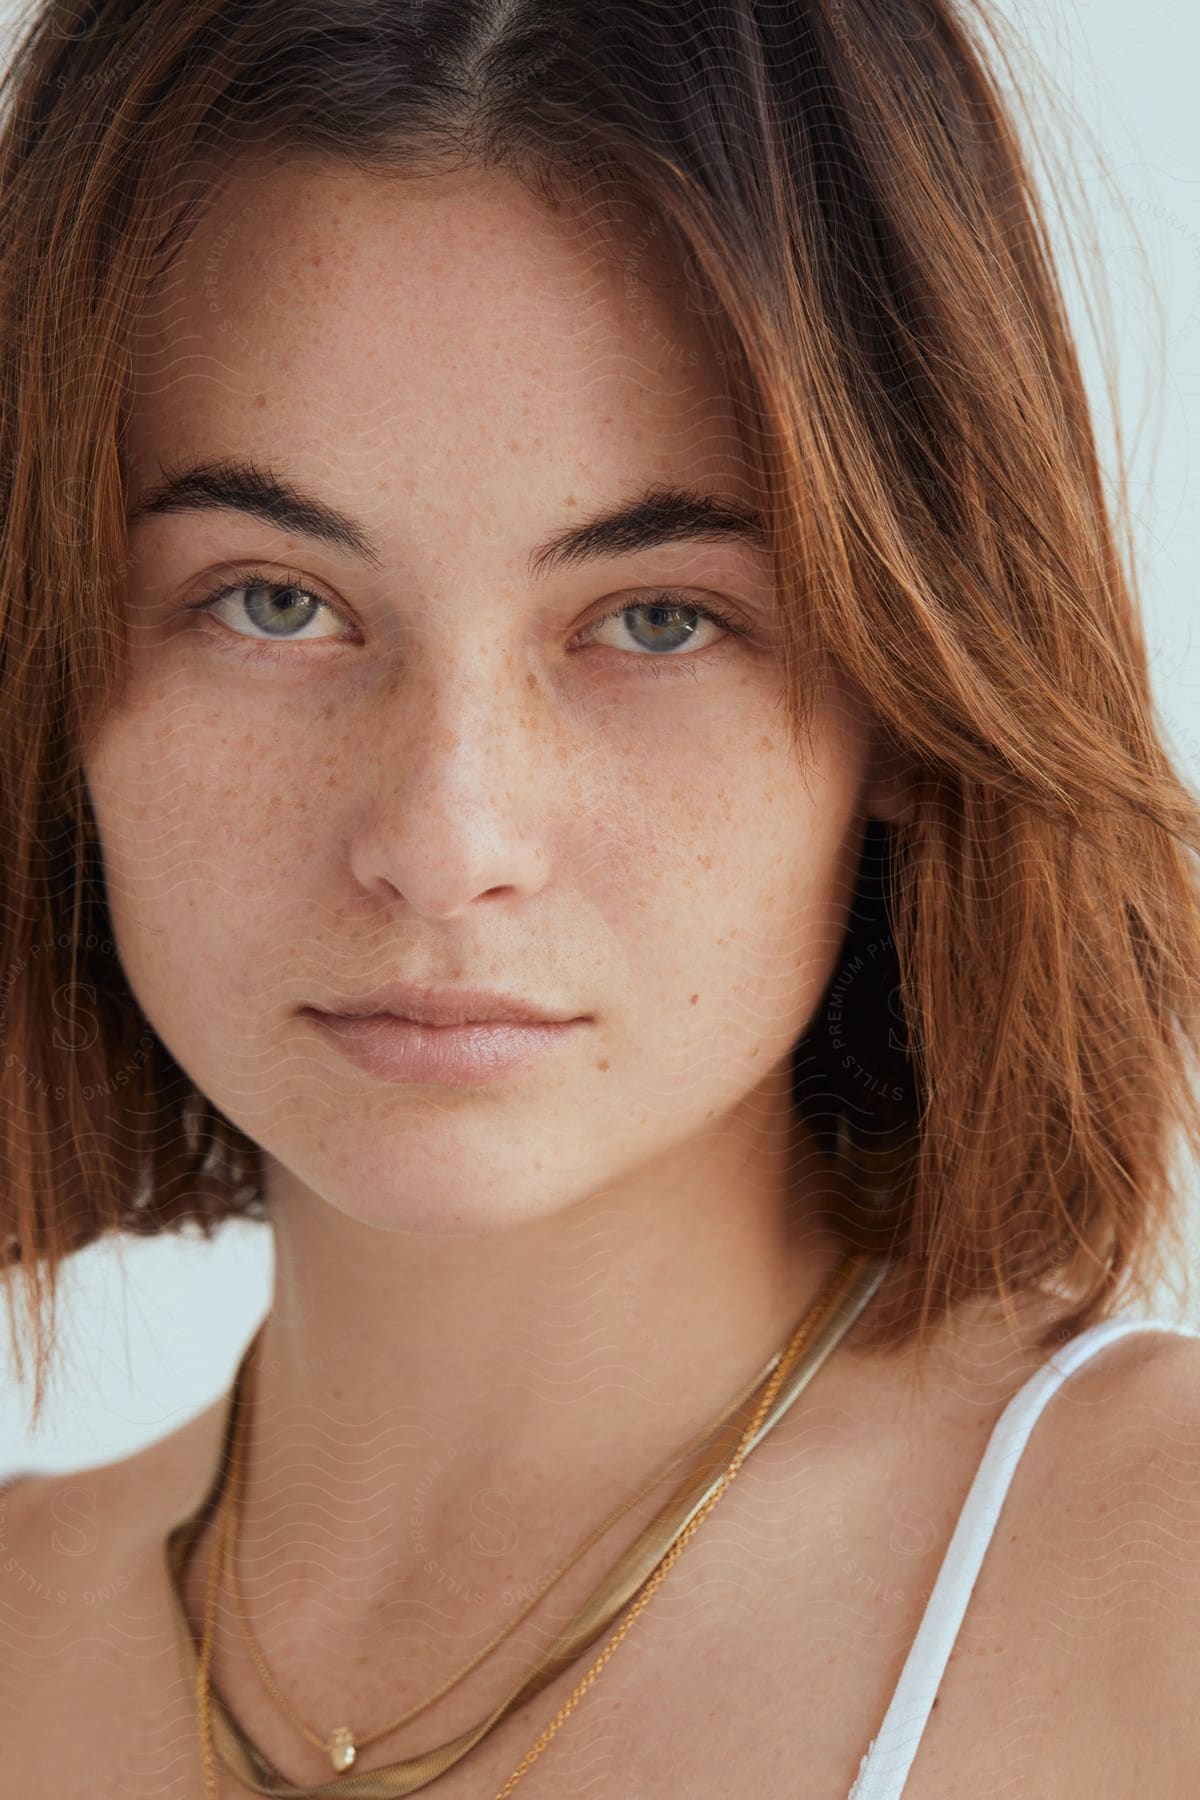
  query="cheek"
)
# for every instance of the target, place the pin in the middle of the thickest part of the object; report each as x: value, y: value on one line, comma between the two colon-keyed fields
x: 187, y: 787
x: 738, y: 879
x: 187, y: 847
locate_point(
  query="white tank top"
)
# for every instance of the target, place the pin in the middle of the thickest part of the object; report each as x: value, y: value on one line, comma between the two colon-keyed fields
x: 889, y: 1757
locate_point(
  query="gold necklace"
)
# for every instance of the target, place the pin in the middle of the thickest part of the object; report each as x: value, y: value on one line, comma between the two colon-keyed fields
x: 342, y: 1745
x: 822, y: 1328
x: 843, y: 1275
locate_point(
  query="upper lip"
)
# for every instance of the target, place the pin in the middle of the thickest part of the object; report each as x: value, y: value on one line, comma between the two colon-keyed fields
x: 448, y: 1006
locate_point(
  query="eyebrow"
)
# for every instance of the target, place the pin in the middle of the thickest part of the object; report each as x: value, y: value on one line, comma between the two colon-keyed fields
x: 659, y: 514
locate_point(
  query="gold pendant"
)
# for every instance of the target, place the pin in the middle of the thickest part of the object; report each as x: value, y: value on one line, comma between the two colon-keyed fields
x: 341, y: 1748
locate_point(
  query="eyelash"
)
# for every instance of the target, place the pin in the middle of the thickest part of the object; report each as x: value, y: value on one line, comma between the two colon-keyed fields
x: 664, y: 597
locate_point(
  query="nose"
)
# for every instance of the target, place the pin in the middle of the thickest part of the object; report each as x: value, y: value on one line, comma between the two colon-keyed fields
x: 457, y: 784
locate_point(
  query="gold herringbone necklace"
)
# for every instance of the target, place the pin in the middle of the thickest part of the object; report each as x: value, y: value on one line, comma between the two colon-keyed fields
x: 342, y: 1745
x: 802, y: 1335
x: 843, y: 1299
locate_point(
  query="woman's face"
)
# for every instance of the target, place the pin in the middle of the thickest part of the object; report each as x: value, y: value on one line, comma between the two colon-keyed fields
x: 441, y: 762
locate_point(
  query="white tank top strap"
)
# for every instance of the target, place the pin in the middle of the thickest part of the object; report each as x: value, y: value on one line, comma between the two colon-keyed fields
x: 884, y: 1768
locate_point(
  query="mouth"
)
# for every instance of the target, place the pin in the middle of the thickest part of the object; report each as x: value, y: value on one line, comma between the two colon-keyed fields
x: 442, y: 1007
x: 468, y: 1053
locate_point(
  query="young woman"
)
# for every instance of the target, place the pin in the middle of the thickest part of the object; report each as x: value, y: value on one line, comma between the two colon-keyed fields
x: 575, y: 737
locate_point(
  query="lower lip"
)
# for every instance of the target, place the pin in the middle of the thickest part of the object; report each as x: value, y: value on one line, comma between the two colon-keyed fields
x: 454, y: 1055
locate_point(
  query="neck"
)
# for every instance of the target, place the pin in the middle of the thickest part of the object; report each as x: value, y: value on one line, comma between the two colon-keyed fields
x: 536, y: 1366
x: 438, y: 1421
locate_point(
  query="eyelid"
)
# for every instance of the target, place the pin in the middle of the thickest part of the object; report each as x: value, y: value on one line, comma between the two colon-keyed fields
x: 710, y: 606
x: 252, y: 576
x: 696, y: 599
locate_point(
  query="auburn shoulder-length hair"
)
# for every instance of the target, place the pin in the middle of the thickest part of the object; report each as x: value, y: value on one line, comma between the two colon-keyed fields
x: 1010, y: 1027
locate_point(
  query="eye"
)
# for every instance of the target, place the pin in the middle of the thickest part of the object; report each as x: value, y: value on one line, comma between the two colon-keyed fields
x: 664, y: 626
x: 277, y: 608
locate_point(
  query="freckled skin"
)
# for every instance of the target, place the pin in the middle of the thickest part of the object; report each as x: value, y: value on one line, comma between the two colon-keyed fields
x: 456, y: 798
x: 461, y: 794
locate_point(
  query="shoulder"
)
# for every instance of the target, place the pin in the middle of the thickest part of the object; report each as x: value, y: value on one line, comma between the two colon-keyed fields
x: 1142, y: 1461
x: 75, y: 1544
x: 1135, y: 1402
x: 1125, y: 1439
x: 1124, y: 1545
x: 66, y: 1543
x: 85, y: 1621
x: 1083, y: 1627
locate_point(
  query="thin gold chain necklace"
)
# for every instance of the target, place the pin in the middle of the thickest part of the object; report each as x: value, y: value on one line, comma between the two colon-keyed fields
x: 342, y: 1745
x: 801, y: 1358
x: 819, y: 1332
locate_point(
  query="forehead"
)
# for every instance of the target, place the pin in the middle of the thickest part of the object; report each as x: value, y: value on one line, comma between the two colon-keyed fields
x: 449, y: 341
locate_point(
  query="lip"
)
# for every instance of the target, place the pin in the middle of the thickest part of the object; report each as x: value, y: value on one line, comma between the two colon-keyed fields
x: 448, y: 1006
x: 464, y: 1055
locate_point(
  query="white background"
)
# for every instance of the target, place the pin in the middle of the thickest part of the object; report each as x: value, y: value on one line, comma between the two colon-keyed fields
x: 153, y: 1330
